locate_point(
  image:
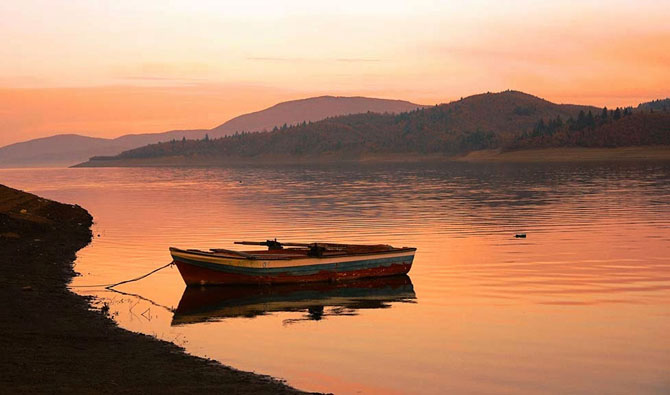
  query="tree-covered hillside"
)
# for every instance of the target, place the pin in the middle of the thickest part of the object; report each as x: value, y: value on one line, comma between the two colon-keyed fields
x: 607, y: 129
x: 655, y: 105
x: 502, y: 120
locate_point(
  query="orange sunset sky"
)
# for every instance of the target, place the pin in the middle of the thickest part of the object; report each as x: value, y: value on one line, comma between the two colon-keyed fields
x: 107, y: 68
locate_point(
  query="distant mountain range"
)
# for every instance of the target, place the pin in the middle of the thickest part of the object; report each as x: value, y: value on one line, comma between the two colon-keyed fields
x: 69, y: 149
x: 505, y: 120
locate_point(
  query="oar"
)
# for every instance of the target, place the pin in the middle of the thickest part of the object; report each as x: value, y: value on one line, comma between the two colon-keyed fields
x: 244, y: 254
x: 306, y: 245
x: 256, y: 243
x: 271, y: 244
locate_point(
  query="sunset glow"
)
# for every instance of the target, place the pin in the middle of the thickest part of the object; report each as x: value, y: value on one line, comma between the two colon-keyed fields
x: 115, y: 67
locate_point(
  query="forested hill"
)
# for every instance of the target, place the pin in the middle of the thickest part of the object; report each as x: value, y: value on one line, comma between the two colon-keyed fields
x: 313, y: 109
x: 492, y: 120
x: 656, y: 105
x: 606, y: 129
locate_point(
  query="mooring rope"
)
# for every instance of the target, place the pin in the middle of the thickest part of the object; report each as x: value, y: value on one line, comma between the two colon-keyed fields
x: 110, y: 286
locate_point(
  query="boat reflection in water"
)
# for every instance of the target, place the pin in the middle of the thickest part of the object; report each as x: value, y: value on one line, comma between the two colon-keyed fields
x: 317, y: 300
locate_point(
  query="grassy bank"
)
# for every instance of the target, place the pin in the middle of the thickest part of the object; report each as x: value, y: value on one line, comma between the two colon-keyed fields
x: 53, y: 343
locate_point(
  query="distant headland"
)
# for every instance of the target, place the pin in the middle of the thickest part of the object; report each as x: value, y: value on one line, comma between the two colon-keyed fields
x: 504, y: 126
x: 69, y: 149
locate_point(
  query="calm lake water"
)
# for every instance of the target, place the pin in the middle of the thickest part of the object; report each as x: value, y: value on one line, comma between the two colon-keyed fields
x: 582, y: 305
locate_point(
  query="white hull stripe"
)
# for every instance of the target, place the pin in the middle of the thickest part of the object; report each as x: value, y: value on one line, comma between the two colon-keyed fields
x: 341, y: 266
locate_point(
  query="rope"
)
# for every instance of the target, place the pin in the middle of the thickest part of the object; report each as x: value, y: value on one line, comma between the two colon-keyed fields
x: 110, y: 286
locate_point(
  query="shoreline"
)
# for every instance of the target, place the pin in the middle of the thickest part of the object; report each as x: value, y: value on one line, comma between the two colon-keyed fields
x: 54, y: 342
x: 541, y: 155
x: 569, y: 154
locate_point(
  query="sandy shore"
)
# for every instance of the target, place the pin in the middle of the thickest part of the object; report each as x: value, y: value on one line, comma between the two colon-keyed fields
x: 53, y: 343
x: 574, y: 154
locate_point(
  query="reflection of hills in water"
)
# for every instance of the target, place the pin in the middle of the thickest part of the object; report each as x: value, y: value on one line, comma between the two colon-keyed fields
x: 317, y: 300
x: 459, y: 199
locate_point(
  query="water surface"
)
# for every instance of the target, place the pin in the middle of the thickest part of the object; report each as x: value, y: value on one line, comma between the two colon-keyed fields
x: 582, y: 305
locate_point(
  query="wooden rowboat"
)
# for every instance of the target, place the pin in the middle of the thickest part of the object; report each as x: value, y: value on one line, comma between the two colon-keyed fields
x: 291, y: 263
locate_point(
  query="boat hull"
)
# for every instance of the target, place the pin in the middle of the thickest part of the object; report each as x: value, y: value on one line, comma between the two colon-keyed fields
x: 203, y: 270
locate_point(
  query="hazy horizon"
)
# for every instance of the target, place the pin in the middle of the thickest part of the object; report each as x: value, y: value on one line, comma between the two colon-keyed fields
x: 431, y: 195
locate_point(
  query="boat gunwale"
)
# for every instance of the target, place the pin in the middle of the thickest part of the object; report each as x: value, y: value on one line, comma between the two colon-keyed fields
x: 255, y: 258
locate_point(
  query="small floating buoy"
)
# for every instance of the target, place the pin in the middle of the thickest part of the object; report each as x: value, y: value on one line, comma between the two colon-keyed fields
x: 520, y: 235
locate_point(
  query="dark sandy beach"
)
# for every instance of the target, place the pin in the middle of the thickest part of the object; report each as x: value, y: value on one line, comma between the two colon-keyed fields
x: 53, y: 342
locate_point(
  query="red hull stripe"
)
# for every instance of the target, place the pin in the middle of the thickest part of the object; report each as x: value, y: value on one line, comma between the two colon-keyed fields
x: 203, y: 273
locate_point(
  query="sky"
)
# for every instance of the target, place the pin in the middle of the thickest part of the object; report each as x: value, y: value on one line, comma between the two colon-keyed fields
x: 108, y: 68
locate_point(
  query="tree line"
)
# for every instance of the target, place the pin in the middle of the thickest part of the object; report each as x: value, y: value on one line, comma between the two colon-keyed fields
x: 453, y: 128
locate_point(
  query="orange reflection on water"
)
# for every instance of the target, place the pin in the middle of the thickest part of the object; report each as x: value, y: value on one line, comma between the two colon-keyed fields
x: 319, y: 300
x: 581, y: 305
